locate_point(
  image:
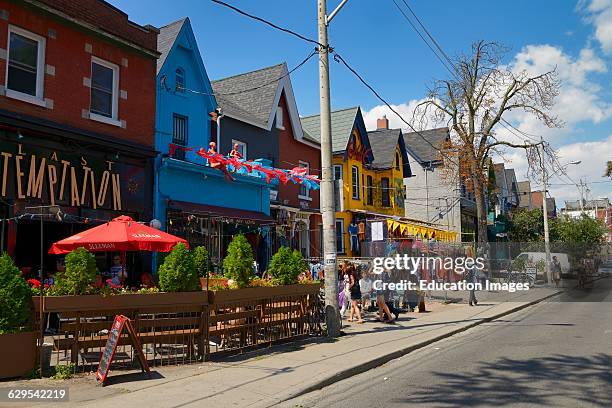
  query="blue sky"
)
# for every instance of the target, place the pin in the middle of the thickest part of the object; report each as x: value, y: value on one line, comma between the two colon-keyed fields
x: 376, y: 40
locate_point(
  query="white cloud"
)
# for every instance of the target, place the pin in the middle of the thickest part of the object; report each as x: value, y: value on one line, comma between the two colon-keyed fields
x: 579, y: 98
x: 599, y: 13
x: 593, y: 157
x: 404, y: 109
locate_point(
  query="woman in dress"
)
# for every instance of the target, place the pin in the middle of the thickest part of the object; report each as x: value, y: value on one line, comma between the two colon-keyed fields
x: 355, y: 293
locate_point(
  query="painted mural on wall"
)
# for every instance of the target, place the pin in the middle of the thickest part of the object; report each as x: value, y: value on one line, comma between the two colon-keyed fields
x: 398, y: 192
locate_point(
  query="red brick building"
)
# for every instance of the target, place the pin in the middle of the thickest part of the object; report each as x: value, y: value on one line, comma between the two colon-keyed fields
x: 304, y: 203
x: 77, y: 119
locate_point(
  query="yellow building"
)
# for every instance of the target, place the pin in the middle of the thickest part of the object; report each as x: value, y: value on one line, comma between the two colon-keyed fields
x: 369, y: 168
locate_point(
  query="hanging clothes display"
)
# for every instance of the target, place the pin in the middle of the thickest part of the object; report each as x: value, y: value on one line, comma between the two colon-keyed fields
x: 353, y: 230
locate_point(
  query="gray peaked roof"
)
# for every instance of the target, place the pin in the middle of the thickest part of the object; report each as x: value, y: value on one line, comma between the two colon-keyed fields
x: 165, y: 39
x: 424, y: 143
x: 342, y: 122
x: 253, y: 106
x: 383, y: 143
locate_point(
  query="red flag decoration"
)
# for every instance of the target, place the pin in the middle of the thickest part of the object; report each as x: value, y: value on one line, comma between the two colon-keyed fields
x: 172, y: 148
x: 297, y: 174
x: 299, y: 171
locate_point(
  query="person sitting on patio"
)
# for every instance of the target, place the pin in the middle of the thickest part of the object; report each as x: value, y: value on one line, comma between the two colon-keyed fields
x: 146, y: 280
x: 118, y: 273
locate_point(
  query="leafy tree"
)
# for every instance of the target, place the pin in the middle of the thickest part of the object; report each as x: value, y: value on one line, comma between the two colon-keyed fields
x: 15, y: 297
x: 583, y: 230
x: 178, y: 272
x: 527, y: 226
x: 200, y: 260
x: 80, y: 273
x: 238, y: 264
x: 608, y: 169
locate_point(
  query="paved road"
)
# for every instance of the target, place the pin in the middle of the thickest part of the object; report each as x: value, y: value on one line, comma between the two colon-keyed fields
x: 555, y: 354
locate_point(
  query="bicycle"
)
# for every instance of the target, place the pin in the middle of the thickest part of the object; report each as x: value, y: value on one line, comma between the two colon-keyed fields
x: 519, y: 277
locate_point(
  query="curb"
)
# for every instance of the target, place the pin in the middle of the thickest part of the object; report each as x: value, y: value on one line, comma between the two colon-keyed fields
x: 377, y: 362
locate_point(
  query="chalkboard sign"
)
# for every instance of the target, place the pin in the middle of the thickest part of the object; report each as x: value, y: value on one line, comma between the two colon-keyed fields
x: 114, y: 335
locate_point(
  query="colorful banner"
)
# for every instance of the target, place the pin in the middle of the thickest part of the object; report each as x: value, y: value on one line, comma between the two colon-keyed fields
x: 228, y: 165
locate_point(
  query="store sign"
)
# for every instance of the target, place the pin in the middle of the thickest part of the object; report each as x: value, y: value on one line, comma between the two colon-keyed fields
x: 60, y: 178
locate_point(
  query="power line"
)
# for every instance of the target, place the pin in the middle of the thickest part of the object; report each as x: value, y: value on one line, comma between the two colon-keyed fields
x: 292, y: 70
x: 338, y: 58
x: 455, y: 71
x: 423, y: 38
x: 429, y: 35
x: 261, y: 20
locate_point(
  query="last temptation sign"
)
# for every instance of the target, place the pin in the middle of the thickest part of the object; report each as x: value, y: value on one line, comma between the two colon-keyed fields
x: 58, y: 177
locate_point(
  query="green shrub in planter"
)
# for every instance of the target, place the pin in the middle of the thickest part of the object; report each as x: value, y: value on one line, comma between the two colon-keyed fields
x: 200, y: 261
x: 15, y: 297
x: 178, y: 273
x: 286, y: 265
x: 80, y: 273
x: 238, y: 264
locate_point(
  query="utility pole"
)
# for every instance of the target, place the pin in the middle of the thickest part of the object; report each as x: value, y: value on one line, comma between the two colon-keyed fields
x: 581, y: 195
x: 328, y: 210
x: 545, y: 211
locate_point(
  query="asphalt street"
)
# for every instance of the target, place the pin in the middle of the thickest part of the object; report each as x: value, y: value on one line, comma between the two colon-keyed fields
x: 555, y: 354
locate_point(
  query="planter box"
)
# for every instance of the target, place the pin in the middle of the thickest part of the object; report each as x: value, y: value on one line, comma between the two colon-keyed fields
x: 82, y: 303
x: 248, y: 294
x: 17, y: 354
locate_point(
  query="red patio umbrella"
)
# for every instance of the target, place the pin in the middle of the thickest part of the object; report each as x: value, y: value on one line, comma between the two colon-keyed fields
x: 121, y: 234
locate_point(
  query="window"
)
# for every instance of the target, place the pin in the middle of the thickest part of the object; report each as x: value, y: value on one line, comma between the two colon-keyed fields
x: 340, y: 236
x: 397, y: 161
x: 304, y: 192
x: 179, y: 134
x: 370, y: 199
x: 25, y: 68
x: 355, y: 182
x: 180, y: 80
x: 242, y: 148
x: 104, y: 91
x: 279, y: 118
x: 384, y: 184
x: 337, y: 172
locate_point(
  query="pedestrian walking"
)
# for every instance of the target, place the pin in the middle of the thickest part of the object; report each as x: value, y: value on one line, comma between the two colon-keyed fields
x: 472, y: 277
x: 411, y: 296
x: 344, y: 296
x: 381, y: 293
x: 355, y: 292
x: 365, y: 285
x: 556, y: 270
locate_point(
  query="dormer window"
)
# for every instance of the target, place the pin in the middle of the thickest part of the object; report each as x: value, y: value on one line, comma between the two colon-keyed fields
x: 279, y: 118
x: 397, y: 161
x: 180, y: 80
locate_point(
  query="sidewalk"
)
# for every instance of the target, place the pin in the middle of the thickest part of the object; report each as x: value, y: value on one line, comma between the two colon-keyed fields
x: 266, y: 377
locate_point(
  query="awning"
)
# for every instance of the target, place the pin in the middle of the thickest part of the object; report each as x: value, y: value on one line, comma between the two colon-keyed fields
x: 229, y: 214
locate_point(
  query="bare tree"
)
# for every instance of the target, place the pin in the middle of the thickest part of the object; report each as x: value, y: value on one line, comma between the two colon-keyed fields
x: 473, y: 102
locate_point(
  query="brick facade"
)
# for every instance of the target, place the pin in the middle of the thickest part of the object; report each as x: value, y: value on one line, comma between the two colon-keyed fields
x: 68, y: 54
x: 291, y: 152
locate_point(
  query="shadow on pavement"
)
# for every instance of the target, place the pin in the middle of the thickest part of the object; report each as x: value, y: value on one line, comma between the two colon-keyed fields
x: 131, y: 377
x: 539, y: 381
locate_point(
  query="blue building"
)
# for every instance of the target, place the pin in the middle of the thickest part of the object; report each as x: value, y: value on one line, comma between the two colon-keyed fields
x: 193, y: 200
